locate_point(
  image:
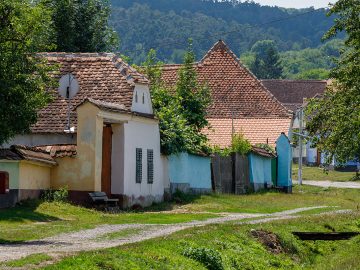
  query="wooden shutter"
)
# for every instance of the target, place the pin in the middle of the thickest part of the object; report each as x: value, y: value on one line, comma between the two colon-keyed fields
x: 150, y: 166
x: 138, y: 165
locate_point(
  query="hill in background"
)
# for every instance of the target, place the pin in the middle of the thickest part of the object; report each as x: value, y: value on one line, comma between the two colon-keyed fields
x: 166, y: 25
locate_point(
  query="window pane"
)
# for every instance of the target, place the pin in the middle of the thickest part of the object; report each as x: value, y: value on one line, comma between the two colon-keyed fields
x: 150, y: 166
x: 138, y: 165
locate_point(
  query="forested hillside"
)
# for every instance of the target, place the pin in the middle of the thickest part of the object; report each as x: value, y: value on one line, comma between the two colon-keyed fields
x: 166, y: 25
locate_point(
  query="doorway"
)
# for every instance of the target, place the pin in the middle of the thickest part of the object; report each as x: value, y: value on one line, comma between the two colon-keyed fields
x: 106, y: 159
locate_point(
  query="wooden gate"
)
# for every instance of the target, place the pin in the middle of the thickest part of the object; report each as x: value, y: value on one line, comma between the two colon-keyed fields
x: 106, y: 160
x: 241, y: 176
x: 231, y: 174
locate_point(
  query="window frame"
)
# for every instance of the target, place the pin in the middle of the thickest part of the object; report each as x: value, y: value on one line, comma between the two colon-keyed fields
x: 138, y: 165
x: 150, y: 166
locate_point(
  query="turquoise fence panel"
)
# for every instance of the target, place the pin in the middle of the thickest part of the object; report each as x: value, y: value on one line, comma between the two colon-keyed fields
x: 284, y: 153
x: 190, y: 169
x: 260, y: 171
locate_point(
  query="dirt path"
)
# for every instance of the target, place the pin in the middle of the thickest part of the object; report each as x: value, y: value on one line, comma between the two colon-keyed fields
x: 86, y: 240
x: 333, y: 184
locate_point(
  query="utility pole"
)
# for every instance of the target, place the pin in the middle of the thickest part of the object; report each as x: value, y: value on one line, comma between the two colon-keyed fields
x: 300, y: 145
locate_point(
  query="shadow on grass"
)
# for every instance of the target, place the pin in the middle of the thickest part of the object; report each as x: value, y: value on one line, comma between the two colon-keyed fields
x: 178, y: 198
x: 26, y: 211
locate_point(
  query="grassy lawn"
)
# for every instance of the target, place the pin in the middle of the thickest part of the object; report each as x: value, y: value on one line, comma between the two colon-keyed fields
x: 36, y: 220
x: 316, y: 173
x: 303, y: 196
x: 233, y: 246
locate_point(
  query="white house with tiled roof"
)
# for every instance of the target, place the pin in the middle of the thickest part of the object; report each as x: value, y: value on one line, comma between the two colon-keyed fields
x: 115, y: 138
x: 240, y: 102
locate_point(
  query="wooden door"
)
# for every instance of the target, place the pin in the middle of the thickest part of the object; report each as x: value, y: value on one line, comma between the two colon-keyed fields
x: 106, y: 160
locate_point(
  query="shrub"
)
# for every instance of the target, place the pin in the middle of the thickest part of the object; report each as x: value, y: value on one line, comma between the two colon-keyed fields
x: 266, y: 147
x: 210, y: 258
x: 60, y: 195
x: 240, y: 145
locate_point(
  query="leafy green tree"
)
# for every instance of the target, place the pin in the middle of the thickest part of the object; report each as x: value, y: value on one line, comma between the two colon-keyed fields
x: 82, y: 26
x: 335, y: 118
x: 194, y: 98
x: 180, y: 130
x: 24, y: 29
x: 267, y: 64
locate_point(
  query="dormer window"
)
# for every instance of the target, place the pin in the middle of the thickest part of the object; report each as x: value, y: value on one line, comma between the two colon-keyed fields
x: 143, y: 98
x: 136, y: 97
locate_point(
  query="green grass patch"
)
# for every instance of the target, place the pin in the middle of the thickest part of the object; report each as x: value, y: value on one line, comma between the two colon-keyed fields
x: 270, y: 202
x: 120, y: 234
x: 36, y: 220
x: 231, y: 246
x: 319, y: 174
x: 34, y: 259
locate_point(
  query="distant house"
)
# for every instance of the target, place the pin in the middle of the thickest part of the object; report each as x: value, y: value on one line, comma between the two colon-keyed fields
x: 293, y: 94
x: 113, y: 144
x: 240, y: 102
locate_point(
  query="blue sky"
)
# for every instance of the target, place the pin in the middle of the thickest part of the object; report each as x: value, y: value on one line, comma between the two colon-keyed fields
x: 295, y: 3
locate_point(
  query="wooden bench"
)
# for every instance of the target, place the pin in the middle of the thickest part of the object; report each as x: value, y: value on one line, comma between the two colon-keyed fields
x: 100, y: 198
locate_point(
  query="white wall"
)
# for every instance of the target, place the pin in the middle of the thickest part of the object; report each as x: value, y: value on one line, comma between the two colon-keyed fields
x: 143, y: 102
x: 143, y: 133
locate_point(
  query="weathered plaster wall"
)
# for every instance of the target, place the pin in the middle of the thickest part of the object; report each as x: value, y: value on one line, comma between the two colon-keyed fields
x: 41, y: 139
x: 190, y: 169
x: 143, y: 103
x: 89, y: 148
x: 142, y: 133
x: 33, y: 176
x: 12, y: 167
x: 67, y: 173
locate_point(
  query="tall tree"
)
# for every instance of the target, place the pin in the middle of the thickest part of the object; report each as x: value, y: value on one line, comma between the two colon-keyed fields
x: 335, y: 118
x: 181, y: 111
x: 267, y: 64
x: 82, y: 26
x: 24, y: 29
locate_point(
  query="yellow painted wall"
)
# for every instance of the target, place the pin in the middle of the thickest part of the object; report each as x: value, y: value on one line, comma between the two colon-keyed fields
x: 66, y: 173
x: 33, y: 176
x: 83, y: 172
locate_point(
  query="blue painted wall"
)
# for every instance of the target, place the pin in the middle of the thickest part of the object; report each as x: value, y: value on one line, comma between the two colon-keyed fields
x: 191, y: 169
x: 260, y: 170
x: 284, y: 153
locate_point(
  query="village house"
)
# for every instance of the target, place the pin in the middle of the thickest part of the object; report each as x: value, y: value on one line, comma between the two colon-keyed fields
x: 293, y: 95
x: 111, y: 144
x: 240, y: 102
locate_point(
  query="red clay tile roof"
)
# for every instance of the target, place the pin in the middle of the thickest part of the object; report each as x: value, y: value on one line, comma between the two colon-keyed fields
x: 291, y: 93
x: 101, y: 76
x: 59, y: 150
x: 233, y: 87
x: 236, y: 93
x: 256, y: 130
x: 20, y: 152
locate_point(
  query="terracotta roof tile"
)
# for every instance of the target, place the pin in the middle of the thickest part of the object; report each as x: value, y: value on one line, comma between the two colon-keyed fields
x: 256, y: 130
x: 236, y: 93
x: 291, y: 93
x: 59, y: 150
x: 102, y: 76
x: 234, y: 89
x: 20, y: 152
